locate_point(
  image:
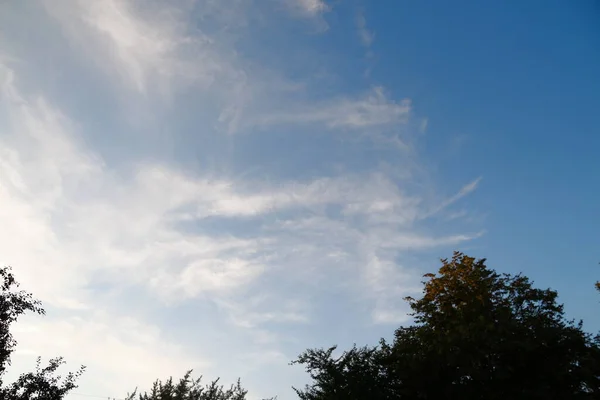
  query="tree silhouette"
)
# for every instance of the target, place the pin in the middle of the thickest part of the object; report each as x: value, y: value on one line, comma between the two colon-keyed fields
x: 477, y: 335
x: 43, y: 383
x: 190, y: 389
x: 597, y: 284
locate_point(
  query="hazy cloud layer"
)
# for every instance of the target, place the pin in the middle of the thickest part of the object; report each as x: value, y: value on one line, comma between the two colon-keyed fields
x: 151, y: 262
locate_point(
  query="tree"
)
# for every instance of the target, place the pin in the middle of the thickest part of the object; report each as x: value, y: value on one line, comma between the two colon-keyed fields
x: 43, y: 383
x: 477, y: 334
x: 358, y: 373
x: 190, y: 389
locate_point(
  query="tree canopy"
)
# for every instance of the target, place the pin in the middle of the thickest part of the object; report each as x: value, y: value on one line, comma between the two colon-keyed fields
x: 477, y: 334
x: 188, y: 388
x: 43, y: 383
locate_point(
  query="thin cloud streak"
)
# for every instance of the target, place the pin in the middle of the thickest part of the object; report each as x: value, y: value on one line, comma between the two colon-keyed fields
x: 365, y: 35
x: 312, y: 7
x: 373, y: 109
x: 464, y: 191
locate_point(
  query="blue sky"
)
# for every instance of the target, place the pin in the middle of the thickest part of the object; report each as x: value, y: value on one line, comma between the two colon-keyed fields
x: 219, y: 185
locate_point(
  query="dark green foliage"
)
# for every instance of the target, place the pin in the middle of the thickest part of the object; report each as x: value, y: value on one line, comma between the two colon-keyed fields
x: 190, y: 389
x: 42, y: 384
x: 356, y: 374
x: 477, y: 335
x: 12, y: 305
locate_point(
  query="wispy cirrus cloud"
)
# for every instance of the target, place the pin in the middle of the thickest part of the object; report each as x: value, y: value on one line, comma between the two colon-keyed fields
x: 373, y: 109
x: 150, y: 47
x: 464, y: 191
x: 310, y: 7
x: 144, y: 241
x: 365, y: 35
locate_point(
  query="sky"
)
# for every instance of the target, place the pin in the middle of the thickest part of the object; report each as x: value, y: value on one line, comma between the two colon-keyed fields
x: 218, y: 185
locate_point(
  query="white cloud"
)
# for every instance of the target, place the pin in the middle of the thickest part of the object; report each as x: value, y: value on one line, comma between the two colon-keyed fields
x: 155, y: 53
x: 412, y: 241
x: 88, y: 233
x: 457, y: 215
x: 152, y: 49
x: 127, y: 226
x: 310, y: 7
x: 71, y: 215
x: 257, y: 310
x: 464, y: 191
x: 365, y: 35
x: 423, y: 125
x: 149, y: 46
x: 123, y: 351
x: 72, y: 218
x: 374, y: 109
